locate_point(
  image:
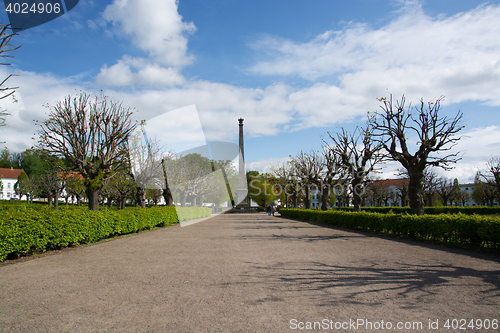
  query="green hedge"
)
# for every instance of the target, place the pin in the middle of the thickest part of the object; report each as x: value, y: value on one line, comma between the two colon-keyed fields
x: 191, y: 213
x: 28, y: 229
x: 470, y: 210
x: 477, y: 232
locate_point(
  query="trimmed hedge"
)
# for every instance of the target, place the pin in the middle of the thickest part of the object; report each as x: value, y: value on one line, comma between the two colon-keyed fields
x: 29, y: 229
x: 476, y: 232
x: 470, y: 210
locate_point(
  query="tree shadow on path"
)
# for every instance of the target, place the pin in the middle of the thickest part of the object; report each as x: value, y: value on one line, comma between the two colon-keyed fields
x: 373, y: 283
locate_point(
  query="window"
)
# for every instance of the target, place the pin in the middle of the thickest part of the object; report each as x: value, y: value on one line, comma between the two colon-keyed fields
x: 8, y: 185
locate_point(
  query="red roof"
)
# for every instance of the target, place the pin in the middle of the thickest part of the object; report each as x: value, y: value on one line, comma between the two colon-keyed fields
x: 68, y: 174
x: 392, y: 182
x: 10, y: 173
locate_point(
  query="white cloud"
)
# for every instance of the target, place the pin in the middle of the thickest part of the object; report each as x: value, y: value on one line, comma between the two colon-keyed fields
x: 155, y: 27
x: 475, y: 148
x: 35, y: 92
x: 136, y: 72
x: 415, y: 54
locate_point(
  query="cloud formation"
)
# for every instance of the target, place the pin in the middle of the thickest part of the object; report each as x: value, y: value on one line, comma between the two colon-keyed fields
x: 457, y: 56
x: 156, y: 28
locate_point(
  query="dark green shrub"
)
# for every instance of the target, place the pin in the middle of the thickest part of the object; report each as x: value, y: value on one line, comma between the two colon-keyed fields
x: 478, y: 232
x: 35, y: 228
x: 470, y: 210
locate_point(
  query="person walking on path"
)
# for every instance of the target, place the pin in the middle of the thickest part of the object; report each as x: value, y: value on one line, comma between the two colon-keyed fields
x: 268, y: 209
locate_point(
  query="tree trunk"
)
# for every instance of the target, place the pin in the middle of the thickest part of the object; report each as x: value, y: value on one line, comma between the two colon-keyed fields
x: 307, y: 200
x: 110, y: 202
x: 429, y: 199
x: 167, y: 196
x: 78, y: 201
x: 93, y: 196
x: 56, y: 200
x: 356, y: 194
x: 295, y: 200
x: 325, y: 197
x: 182, y: 198
x: 141, y: 197
x: 416, y: 192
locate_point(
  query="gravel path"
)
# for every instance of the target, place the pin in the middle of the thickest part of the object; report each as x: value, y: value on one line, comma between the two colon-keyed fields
x: 249, y: 273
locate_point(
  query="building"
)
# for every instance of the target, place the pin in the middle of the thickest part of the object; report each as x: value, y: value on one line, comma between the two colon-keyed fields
x: 9, y: 179
x: 387, y: 193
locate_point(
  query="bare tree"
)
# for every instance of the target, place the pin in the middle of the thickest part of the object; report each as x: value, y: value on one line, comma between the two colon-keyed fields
x: 402, y: 191
x: 430, y: 183
x: 484, y: 192
x: 5, y: 48
x: 446, y: 190
x: 309, y: 167
x: 492, y: 175
x: 286, y: 175
x: 357, y: 160
x: 91, y: 134
x: 435, y: 134
x: 145, y: 164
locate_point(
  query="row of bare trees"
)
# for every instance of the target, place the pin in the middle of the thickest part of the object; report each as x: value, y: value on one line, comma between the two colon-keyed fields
x: 346, y: 158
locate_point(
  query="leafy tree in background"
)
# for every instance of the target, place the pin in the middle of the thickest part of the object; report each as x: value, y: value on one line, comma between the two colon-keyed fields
x: 219, y: 188
x: 260, y: 188
x: 5, y: 159
x: 457, y: 193
x: 32, y: 162
x: 484, y: 193
x: 121, y: 186
x: 75, y: 187
x: 393, y: 125
x: 153, y: 195
x: 23, y: 186
x: 51, y: 180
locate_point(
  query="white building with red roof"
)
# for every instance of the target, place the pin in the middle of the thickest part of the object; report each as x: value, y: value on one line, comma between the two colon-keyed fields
x: 9, y: 179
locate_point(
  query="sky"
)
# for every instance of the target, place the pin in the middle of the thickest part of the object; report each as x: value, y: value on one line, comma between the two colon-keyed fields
x: 295, y: 70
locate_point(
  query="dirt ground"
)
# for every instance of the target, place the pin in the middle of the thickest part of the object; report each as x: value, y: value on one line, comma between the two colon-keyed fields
x: 251, y: 273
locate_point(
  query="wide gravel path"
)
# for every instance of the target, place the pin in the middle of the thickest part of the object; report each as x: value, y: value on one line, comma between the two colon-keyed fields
x: 250, y: 273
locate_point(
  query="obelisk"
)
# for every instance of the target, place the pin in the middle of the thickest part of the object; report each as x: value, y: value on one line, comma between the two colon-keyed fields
x: 242, y: 178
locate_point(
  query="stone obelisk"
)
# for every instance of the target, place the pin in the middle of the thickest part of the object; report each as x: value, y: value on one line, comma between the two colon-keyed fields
x: 242, y: 179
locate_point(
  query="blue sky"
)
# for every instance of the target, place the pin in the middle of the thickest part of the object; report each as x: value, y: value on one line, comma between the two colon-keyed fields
x: 293, y: 69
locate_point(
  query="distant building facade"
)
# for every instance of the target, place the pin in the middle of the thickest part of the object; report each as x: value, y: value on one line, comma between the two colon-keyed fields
x: 9, y: 179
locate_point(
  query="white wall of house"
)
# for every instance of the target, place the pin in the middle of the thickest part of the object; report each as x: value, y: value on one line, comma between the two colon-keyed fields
x: 8, y: 191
